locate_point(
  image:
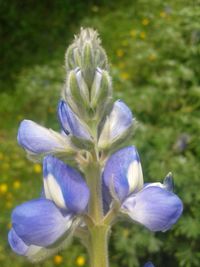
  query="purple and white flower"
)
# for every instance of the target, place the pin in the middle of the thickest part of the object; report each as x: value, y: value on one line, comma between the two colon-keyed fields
x: 117, y: 125
x: 70, y: 122
x: 153, y: 205
x: 41, y: 226
x: 38, y: 140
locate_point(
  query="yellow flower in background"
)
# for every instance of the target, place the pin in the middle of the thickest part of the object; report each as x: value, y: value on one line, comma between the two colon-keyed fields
x: 80, y: 261
x: 152, y: 57
x: 142, y: 35
x: 9, y: 225
x: 125, y: 75
x: 120, y: 52
x: 37, y: 168
x: 145, y: 22
x: 163, y: 14
x: 58, y: 259
x: 3, y: 188
x: 132, y: 33
x: 16, y: 184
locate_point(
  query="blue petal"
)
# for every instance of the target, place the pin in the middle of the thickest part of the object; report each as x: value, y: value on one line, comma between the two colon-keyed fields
x: 70, y: 122
x: 123, y: 172
x: 64, y: 185
x: 39, y: 222
x: 149, y: 264
x: 38, y: 139
x: 16, y: 243
x: 117, y: 123
x: 154, y: 207
x: 107, y: 198
x: 121, y: 118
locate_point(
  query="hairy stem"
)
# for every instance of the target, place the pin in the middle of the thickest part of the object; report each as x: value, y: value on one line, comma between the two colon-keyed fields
x: 94, y: 182
x: 98, y: 249
x: 98, y: 231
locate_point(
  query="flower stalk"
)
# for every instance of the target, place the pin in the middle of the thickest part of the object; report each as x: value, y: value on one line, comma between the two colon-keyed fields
x: 98, y: 230
x: 88, y: 182
x: 98, y: 249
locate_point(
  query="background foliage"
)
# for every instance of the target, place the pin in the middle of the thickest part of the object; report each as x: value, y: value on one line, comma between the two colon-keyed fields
x: 154, y: 50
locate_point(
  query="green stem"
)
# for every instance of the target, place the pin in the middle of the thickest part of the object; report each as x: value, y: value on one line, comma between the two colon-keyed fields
x: 98, y: 248
x: 93, y: 177
x: 98, y: 231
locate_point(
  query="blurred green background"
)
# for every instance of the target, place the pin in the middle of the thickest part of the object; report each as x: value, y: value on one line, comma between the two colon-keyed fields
x: 154, y: 50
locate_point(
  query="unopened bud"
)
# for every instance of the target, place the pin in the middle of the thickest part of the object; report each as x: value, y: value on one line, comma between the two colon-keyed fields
x: 92, y: 55
x: 101, y: 88
x: 76, y: 92
x: 87, y: 55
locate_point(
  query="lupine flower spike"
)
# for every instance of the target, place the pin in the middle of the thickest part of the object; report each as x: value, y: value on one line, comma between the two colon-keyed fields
x: 90, y: 178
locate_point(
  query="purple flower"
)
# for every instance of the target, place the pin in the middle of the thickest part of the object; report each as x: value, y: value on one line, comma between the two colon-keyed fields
x: 123, y: 171
x: 61, y: 184
x: 154, y: 205
x: 117, y: 125
x: 41, y: 226
x: 70, y: 122
x: 38, y: 140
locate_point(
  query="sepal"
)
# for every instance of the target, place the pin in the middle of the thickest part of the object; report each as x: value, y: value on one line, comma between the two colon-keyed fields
x: 82, y: 143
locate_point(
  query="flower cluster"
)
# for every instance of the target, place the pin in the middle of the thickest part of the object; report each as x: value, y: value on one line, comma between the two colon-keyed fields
x: 89, y: 178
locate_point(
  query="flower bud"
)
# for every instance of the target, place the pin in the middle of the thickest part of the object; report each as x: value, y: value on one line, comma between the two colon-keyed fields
x: 101, y: 88
x: 76, y: 93
x: 77, y: 57
x: 117, y: 126
x: 73, y: 126
x: 70, y: 123
x: 87, y: 63
x: 87, y: 55
x: 92, y: 56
